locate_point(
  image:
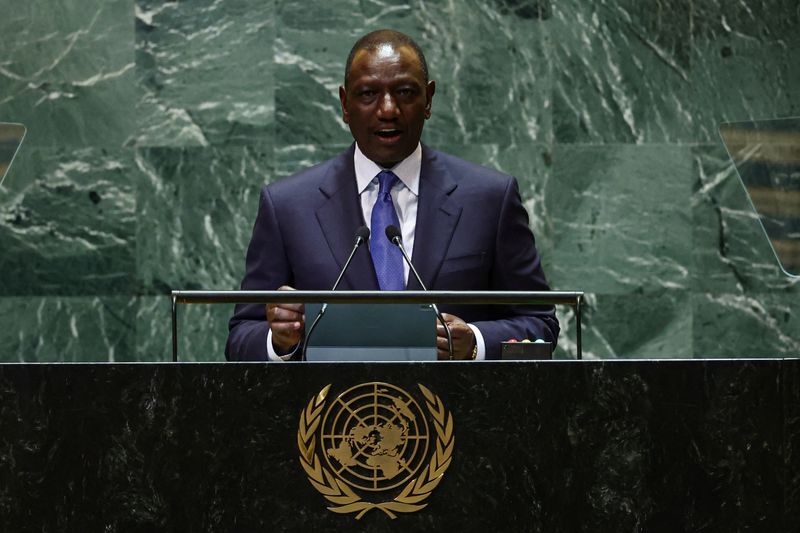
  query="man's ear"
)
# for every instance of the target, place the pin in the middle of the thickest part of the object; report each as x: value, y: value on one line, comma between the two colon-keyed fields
x: 343, y: 101
x: 430, y: 89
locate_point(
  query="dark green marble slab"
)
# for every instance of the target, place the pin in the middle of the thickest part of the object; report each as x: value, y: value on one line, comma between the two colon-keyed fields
x: 629, y: 71
x: 744, y: 63
x: 295, y: 158
x: 763, y: 21
x: 655, y: 325
x: 67, y: 223
x: 492, y: 64
x: 202, y: 330
x: 310, y: 54
x: 620, y: 217
x: 755, y: 324
x: 66, y: 71
x: 739, y: 79
x: 73, y: 329
x: 617, y: 67
x: 195, y: 213
x: 205, y: 72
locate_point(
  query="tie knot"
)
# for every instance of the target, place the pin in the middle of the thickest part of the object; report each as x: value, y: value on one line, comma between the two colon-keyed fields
x: 386, y: 180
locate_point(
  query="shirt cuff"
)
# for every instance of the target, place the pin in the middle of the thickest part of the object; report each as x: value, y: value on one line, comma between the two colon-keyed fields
x: 272, y: 355
x: 479, y: 342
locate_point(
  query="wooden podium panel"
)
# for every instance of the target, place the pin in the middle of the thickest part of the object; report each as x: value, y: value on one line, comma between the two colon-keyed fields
x: 536, y: 446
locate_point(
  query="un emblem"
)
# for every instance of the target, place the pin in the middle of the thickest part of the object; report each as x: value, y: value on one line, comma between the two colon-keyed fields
x: 371, y: 441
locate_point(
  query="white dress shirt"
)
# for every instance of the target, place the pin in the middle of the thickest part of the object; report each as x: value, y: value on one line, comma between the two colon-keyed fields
x: 405, y: 196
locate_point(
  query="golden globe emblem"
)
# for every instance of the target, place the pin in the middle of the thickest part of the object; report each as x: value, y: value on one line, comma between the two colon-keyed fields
x: 374, y: 436
x: 371, y: 447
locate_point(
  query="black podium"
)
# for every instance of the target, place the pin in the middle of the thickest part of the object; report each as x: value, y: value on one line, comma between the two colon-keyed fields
x: 511, y: 446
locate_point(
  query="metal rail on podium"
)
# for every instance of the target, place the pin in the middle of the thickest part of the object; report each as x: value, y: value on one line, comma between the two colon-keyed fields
x: 570, y: 298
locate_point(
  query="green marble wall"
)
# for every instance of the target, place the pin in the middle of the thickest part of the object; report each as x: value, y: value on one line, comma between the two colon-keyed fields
x: 152, y: 125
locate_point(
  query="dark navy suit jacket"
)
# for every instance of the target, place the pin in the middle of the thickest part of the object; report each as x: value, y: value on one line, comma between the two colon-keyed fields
x: 471, y: 234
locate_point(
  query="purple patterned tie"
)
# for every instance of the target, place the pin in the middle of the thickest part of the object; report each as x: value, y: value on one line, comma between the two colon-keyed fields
x: 386, y: 256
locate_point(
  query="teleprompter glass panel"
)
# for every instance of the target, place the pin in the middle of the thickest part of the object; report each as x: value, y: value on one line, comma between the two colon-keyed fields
x: 766, y: 154
x: 11, y: 136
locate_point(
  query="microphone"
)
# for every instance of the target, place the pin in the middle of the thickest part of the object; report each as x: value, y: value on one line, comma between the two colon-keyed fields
x: 393, y: 234
x: 362, y: 236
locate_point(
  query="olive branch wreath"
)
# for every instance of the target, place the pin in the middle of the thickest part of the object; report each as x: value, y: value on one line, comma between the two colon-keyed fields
x: 343, y: 498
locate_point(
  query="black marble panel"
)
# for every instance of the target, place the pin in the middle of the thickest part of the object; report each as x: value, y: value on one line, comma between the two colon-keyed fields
x: 790, y: 379
x: 539, y: 446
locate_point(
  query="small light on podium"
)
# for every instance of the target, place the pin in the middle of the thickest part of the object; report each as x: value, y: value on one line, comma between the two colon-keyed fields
x: 514, y: 350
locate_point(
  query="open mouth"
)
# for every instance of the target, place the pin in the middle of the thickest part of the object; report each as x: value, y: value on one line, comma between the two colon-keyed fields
x: 388, y: 134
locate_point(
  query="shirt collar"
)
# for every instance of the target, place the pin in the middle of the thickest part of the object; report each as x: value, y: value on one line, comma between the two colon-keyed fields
x: 407, y: 170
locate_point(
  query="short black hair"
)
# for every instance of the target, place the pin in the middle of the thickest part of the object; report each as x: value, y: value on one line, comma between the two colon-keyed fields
x: 375, y: 39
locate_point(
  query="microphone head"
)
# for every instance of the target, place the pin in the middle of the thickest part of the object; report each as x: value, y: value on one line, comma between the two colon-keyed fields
x: 362, y: 234
x: 393, y: 234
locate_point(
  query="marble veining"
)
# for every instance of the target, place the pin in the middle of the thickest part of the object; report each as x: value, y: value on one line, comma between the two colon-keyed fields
x: 152, y: 126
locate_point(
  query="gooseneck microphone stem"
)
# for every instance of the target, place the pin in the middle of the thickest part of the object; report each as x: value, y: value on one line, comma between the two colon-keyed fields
x: 393, y: 234
x: 362, y: 235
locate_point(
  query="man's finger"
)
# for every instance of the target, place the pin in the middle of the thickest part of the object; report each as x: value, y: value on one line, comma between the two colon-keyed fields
x: 282, y: 312
x: 285, y: 315
x: 299, y: 308
x: 286, y: 326
x: 295, y: 308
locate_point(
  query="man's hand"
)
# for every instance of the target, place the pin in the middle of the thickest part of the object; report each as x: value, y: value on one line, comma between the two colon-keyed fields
x: 286, y: 322
x: 463, y: 338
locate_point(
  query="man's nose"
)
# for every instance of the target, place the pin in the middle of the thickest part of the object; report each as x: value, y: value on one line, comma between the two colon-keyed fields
x: 387, y: 106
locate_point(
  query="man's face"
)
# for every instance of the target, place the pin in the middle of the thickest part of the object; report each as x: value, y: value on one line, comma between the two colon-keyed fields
x: 386, y: 102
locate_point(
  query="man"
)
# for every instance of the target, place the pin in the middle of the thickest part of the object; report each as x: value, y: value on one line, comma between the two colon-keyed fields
x: 463, y: 225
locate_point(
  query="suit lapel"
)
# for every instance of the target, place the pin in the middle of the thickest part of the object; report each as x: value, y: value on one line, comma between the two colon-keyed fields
x: 437, y: 217
x: 339, y: 217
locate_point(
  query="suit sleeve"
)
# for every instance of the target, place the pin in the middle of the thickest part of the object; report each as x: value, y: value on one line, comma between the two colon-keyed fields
x: 267, y: 268
x: 516, y: 267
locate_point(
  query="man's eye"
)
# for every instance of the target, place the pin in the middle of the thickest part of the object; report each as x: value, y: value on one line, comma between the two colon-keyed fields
x: 367, y: 93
